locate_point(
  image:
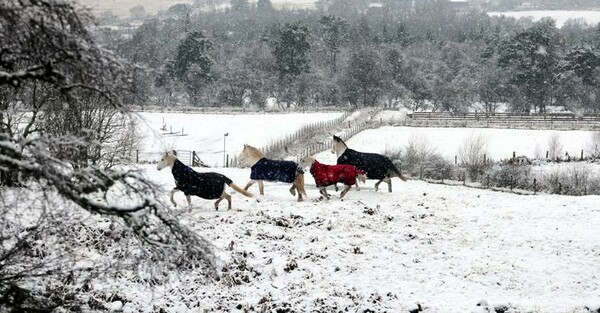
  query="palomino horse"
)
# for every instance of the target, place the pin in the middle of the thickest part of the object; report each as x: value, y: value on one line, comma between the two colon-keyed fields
x: 375, y: 166
x: 272, y: 170
x: 327, y: 175
x: 204, y: 185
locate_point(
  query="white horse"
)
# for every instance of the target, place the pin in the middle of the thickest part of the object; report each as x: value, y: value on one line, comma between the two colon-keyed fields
x: 272, y: 170
x: 375, y: 166
x: 204, y: 185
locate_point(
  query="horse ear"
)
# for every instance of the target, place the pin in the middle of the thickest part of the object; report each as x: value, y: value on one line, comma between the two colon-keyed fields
x: 336, y: 138
x: 174, y: 152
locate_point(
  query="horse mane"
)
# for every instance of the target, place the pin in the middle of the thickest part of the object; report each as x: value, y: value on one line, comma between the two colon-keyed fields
x: 338, y: 139
x: 254, y: 152
x: 250, y: 152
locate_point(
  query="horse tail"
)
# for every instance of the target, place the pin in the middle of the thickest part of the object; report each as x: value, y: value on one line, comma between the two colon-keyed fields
x: 398, y: 172
x: 240, y: 190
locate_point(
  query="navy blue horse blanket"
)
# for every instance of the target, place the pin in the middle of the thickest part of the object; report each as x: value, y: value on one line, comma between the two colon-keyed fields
x: 272, y: 170
x: 204, y: 185
x: 375, y: 166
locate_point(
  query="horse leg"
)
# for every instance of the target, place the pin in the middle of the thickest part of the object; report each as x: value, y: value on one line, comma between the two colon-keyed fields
x: 250, y: 183
x: 225, y: 196
x: 189, y: 200
x: 389, y: 182
x: 293, y: 189
x: 335, y: 187
x: 299, y: 185
x: 261, y: 187
x: 172, y: 199
x: 377, y: 185
x: 345, y: 191
x: 323, y: 191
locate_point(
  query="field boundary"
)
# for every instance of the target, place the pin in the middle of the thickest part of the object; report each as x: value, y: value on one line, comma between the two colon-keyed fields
x: 550, y: 121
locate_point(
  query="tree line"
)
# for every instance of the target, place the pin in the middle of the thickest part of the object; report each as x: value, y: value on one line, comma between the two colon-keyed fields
x: 350, y: 53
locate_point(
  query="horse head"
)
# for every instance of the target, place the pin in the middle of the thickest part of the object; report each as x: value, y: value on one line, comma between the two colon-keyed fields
x: 250, y: 155
x: 338, y: 146
x: 168, y: 159
x: 307, y: 161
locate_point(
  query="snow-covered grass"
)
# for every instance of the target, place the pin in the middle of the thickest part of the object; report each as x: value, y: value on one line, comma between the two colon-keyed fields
x: 447, y: 141
x: 204, y: 133
x: 444, y: 247
x: 591, y: 18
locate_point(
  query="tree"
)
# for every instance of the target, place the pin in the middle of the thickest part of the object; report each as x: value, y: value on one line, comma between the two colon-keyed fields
x: 532, y: 56
x: 192, y: 64
x: 138, y: 12
x: 333, y: 36
x: 240, y: 5
x: 291, y: 51
x: 264, y: 6
x: 51, y: 67
x: 363, y: 78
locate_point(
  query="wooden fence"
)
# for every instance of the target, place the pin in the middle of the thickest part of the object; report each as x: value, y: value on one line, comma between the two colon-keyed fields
x: 301, y: 133
x: 555, y: 121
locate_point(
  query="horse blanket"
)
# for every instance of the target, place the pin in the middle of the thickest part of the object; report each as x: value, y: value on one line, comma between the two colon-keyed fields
x: 375, y: 166
x: 326, y: 175
x: 272, y: 170
x: 204, y: 185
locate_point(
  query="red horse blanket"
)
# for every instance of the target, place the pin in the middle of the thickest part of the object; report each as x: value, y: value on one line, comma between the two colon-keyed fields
x: 326, y: 175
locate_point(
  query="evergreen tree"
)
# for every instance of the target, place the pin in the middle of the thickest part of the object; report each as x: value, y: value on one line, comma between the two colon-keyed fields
x: 364, y: 78
x: 192, y: 64
x: 333, y: 36
x: 532, y: 57
x: 291, y: 51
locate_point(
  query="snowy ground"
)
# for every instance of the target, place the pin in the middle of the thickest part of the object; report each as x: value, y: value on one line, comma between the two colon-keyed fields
x: 204, y: 132
x: 447, y: 141
x: 444, y: 247
x: 591, y: 18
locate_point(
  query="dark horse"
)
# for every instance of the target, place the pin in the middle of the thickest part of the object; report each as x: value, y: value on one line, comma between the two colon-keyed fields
x: 375, y: 166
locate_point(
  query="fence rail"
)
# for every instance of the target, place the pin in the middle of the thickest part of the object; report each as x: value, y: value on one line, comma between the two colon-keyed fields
x: 558, y: 121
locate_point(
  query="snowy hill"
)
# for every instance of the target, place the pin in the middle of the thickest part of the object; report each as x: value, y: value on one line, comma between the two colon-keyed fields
x: 446, y: 248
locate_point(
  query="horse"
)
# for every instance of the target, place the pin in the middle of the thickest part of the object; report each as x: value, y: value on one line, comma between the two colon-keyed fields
x: 208, y: 185
x: 272, y: 170
x: 375, y: 166
x: 327, y: 175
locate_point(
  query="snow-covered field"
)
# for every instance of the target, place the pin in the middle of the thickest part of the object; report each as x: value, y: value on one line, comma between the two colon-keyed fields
x: 447, y: 141
x: 591, y: 18
x: 205, y: 132
x: 444, y: 247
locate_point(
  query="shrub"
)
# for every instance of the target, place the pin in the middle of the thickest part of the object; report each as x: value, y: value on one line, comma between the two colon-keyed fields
x: 507, y: 175
x: 472, y: 155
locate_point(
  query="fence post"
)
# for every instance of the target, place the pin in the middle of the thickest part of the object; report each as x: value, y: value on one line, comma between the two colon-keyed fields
x: 534, y: 186
x: 137, y: 156
x: 227, y: 161
x: 581, y: 159
x: 511, y: 182
x: 547, y: 154
x: 485, y: 159
x: 464, y: 179
x: 455, y: 160
x: 488, y: 180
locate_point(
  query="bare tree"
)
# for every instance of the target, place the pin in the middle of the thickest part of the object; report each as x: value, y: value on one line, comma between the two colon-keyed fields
x: 62, y: 124
x: 472, y: 154
x: 555, y: 146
